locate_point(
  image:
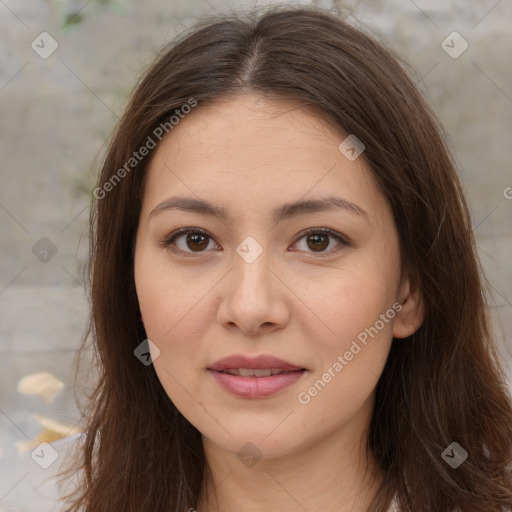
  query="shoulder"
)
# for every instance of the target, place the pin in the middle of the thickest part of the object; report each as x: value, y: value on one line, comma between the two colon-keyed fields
x: 33, y: 476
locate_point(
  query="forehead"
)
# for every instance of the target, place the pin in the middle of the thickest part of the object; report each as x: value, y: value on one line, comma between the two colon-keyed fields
x: 250, y: 125
x: 254, y: 152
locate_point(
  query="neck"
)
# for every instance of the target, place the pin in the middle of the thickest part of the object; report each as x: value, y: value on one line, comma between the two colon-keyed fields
x: 335, y: 473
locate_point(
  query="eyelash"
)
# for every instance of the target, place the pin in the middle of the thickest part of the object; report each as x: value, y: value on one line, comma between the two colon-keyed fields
x: 169, y: 240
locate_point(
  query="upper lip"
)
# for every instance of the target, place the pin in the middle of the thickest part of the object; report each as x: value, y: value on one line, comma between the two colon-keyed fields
x: 260, y: 362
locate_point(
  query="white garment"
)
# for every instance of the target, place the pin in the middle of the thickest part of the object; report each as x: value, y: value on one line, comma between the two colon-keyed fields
x: 394, y: 506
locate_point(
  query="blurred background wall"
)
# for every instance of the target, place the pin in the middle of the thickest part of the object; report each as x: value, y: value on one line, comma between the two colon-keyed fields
x: 66, y: 69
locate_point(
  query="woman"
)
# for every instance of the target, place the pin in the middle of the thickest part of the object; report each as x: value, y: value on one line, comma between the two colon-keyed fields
x: 286, y: 300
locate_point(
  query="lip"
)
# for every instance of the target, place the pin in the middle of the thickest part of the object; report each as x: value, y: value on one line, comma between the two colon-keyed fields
x: 255, y: 387
x: 256, y: 363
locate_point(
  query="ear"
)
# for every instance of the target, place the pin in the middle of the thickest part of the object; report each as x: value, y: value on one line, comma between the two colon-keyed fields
x: 409, y: 319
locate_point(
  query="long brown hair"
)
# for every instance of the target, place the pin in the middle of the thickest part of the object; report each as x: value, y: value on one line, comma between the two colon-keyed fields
x: 441, y: 385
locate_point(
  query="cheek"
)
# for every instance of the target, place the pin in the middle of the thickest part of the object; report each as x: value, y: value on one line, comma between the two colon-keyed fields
x: 165, y: 310
x: 352, y: 343
x: 350, y: 301
x: 357, y: 308
x: 173, y: 307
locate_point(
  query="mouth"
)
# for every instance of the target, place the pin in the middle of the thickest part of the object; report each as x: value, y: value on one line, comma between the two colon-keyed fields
x: 257, y: 372
x: 257, y: 383
x: 255, y: 377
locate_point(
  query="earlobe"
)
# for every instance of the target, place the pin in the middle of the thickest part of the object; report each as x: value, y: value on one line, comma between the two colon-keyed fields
x: 410, y: 317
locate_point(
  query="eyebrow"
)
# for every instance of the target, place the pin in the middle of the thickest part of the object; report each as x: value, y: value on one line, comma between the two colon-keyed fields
x: 283, y: 212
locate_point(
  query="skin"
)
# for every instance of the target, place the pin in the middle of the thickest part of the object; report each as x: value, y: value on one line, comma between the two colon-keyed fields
x: 251, y: 154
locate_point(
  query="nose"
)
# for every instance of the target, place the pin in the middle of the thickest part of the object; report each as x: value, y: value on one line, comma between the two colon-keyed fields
x: 254, y: 297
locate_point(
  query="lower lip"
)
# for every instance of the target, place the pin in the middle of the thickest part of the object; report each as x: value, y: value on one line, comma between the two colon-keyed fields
x: 255, y: 387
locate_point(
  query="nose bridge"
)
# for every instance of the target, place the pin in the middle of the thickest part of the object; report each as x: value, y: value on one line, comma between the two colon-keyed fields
x: 254, y: 296
x: 252, y: 268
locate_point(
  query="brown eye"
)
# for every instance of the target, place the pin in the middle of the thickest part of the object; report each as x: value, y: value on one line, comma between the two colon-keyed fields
x: 195, y: 240
x: 318, y: 242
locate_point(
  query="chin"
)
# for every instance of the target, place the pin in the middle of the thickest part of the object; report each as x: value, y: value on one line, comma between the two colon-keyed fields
x: 255, y: 443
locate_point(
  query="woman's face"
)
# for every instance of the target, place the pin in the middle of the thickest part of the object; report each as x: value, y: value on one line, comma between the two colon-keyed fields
x: 254, y: 283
